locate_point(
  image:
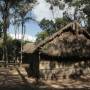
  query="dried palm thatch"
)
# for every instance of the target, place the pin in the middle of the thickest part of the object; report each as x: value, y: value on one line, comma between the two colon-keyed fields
x: 73, y: 27
x: 28, y: 48
x: 70, y: 40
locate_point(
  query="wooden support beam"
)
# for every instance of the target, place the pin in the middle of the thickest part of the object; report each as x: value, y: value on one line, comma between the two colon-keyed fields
x: 34, y: 65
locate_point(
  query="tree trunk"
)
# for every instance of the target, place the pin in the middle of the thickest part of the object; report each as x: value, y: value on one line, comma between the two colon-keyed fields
x: 5, y: 41
x: 75, y: 13
x: 89, y: 24
x: 5, y: 26
x: 18, y: 31
x: 22, y: 37
x: 34, y: 66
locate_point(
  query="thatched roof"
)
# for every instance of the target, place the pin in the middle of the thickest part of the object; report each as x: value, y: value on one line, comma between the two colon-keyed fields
x: 28, y: 48
x: 69, y: 41
x: 75, y: 28
x: 66, y: 41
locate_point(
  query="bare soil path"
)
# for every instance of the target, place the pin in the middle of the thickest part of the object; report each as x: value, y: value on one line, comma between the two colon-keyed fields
x: 13, y: 78
x: 10, y: 79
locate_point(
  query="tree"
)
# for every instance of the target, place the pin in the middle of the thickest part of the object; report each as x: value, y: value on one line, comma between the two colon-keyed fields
x: 61, y: 22
x: 86, y: 10
x: 22, y: 14
x: 41, y: 36
x: 80, y: 7
x: 8, y: 8
x: 56, y: 3
x: 22, y: 18
x: 48, y: 26
x: 1, y: 26
x: 82, y: 10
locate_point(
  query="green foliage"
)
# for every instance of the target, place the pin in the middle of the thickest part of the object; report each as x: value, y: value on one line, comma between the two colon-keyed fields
x: 47, y: 25
x: 14, y: 8
x: 10, y: 9
x: 61, y: 22
x: 86, y: 10
x: 9, y: 39
x: 56, y: 3
x: 77, y: 3
x: 50, y: 26
x: 41, y: 36
x: 81, y: 6
x: 81, y: 10
x: 74, y: 2
x: 1, y: 26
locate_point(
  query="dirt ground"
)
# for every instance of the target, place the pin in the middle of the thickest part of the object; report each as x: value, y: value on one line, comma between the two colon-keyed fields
x: 14, y: 78
x: 82, y: 83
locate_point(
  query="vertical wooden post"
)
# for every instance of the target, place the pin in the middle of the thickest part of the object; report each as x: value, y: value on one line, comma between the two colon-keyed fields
x: 76, y: 28
x: 34, y: 65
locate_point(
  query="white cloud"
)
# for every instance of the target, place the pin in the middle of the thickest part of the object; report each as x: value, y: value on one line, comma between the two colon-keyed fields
x: 26, y: 37
x: 42, y: 11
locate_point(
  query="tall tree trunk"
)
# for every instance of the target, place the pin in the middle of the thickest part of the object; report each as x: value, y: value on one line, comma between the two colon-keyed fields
x: 15, y: 32
x: 75, y: 13
x: 22, y: 36
x: 18, y: 31
x: 5, y: 26
x: 5, y: 41
x: 34, y: 66
x: 89, y: 24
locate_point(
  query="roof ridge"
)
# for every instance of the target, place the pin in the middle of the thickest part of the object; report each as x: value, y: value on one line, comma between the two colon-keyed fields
x: 58, y: 32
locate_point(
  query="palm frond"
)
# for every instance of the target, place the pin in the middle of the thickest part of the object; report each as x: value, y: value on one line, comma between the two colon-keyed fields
x: 27, y: 19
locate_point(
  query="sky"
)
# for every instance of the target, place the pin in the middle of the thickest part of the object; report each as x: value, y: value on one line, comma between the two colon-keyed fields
x: 40, y: 11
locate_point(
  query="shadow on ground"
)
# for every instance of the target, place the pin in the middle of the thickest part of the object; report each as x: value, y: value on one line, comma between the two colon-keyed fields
x: 17, y: 81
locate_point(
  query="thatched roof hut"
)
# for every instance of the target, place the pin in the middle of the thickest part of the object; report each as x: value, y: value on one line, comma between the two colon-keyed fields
x: 70, y: 44
x: 72, y: 40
